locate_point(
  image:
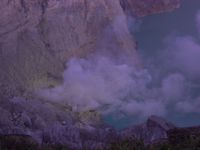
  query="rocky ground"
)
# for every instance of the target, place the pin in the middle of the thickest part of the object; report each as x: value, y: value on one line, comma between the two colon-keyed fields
x: 154, y: 134
x: 42, y: 123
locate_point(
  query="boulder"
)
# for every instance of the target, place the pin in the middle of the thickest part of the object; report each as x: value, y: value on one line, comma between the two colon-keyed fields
x: 153, y: 130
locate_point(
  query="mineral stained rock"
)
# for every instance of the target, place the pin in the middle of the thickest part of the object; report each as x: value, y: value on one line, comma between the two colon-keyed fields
x: 26, y: 121
x: 38, y: 37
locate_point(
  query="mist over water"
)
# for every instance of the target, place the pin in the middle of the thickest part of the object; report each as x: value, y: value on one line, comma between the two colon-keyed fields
x: 169, y: 43
x: 168, y: 85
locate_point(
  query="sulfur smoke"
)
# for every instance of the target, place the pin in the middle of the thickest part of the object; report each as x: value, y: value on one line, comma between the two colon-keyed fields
x: 105, y: 84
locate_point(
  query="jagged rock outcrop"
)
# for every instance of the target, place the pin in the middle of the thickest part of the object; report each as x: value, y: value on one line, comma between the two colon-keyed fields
x: 140, y: 8
x: 155, y: 129
x: 51, y: 123
x: 85, y: 136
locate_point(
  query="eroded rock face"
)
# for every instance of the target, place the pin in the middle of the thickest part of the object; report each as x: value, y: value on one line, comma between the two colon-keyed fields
x: 38, y: 37
x: 140, y: 8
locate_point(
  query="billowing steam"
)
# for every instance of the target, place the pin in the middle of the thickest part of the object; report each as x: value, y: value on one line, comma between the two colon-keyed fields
x: 101, y: 83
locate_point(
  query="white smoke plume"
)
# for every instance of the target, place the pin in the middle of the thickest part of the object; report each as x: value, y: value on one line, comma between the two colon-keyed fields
x: 105, y: 84
x: 97, y: 83
x: 183, y: 55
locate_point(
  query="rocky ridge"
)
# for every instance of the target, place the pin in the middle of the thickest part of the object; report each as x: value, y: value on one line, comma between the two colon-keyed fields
x: 153, y: 130
x: 50, y: 123
x: 36, y: 123
x: 142, y: 8
x: 156, y: 133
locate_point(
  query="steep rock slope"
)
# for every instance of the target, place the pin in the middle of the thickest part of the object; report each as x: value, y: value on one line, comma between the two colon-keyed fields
x: 38, y: 37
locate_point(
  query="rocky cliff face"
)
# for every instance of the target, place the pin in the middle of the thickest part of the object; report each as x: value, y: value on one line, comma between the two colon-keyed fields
x: 142, y: 8
x: 38, y: 37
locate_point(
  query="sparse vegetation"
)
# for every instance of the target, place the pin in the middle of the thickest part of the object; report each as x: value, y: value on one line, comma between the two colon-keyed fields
x: 127, y: 144
x: 189, y: 143
x: 22, y: 142
x: 26, y: 143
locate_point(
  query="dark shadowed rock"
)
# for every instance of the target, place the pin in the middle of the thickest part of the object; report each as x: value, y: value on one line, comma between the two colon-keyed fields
x: 17, y: 142
x: 153, y: 130
x: 180, y: 135
x: 62, y: 135
x: 98, y: 138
